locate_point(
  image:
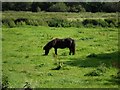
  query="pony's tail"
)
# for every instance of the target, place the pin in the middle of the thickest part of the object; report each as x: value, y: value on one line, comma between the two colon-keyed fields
x: 73, y: 47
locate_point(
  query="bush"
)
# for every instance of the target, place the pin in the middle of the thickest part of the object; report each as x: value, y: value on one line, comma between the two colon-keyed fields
x: 36, y: 22
x: 90, y: 23
x: 8, y: 23
x: 61, y: 22
x: 57, y: 22
x: 112, y: 22
x: 100, y: 22
x: 76, y: 23
x: 42, y: 22
x: 32, y: 22
x: 20, y: 23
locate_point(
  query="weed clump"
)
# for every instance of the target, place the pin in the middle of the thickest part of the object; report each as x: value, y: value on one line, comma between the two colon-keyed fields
x: 5, y: 82
x: 27, y: 86
x: 50, y: 74
x: 92, y: 55
x: 116, y: 78
x: 57, y: 62
x: 64, y: 54
x: 59, y: 66
x: 39, y: 66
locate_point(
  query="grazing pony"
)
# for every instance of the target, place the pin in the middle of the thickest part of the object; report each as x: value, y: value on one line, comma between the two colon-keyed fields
x: 60, y: 43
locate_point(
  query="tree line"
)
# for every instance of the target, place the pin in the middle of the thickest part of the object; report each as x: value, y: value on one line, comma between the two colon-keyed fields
x: 62, y: 6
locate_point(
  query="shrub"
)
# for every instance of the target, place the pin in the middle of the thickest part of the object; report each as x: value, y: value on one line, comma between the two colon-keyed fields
x: 116, y: 78
x: 99, y: 22
x: 61, y: 22
x: 19, y: 20
x: 57, y: 22
x: 76, y: 23
x: 20, y: 23
x: 102, y: 23
x: 42, y: 22
x: 36, y: 22
x: 89, y: 22
x: 112, y: 22
x: 8, y: 23
x: 90, y: 25
x: 32, y: 22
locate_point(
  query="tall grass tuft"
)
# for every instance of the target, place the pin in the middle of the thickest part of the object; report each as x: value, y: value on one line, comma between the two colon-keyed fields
x: 57, y: 62
x: 100, y: 70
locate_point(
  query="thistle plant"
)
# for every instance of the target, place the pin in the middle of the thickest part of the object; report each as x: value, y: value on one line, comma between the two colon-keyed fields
x: 57, y: 62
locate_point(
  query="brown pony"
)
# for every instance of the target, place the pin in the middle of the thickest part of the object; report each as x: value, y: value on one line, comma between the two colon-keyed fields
x: 60, y: 43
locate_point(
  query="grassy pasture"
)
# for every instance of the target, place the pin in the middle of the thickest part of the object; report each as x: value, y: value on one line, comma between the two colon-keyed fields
x: 23, y: 61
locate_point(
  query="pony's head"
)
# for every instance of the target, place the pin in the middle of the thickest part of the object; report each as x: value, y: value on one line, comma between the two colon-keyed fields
x: 47, y: 47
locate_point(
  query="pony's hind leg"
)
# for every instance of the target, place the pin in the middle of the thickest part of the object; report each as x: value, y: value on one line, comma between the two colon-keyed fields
x: 55, y: 51
x: 72, y: 50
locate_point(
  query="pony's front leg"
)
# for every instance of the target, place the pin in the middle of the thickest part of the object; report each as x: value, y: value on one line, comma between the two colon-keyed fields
x: 55, y: 51
x: 70, y: 51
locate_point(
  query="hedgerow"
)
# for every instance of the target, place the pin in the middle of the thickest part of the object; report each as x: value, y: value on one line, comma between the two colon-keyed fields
x: 61, y: 22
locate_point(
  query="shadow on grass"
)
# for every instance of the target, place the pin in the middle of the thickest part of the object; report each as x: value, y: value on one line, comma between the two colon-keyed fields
x: 94, y: 60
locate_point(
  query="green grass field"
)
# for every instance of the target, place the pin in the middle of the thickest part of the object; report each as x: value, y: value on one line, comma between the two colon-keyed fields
x: 96, y: 48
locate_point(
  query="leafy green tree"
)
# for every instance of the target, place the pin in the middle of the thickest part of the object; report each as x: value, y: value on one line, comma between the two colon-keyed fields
x: 93, y: 6
x: 111, y: 7
x: 22, y: 6
x: 38, y: 9
x: 59, y: 7
x: 62, y: 6
x: 7, y: 6
x: 77, y: 8
x: 44, y: 6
